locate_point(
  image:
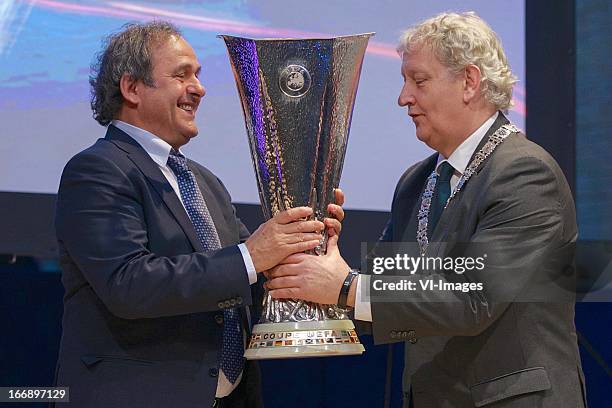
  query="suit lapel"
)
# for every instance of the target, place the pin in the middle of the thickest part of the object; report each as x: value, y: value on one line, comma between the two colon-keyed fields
x: 214, y: 208
x: 441, y: 230
x: 409, y: 198
x: 499, y: 122
x: 156, y: 179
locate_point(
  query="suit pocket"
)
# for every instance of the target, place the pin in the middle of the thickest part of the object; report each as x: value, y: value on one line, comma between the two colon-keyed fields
x: 91, y: 360
x: 510, y: 385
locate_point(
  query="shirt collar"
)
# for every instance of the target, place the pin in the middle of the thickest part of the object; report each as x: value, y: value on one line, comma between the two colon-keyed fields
x: 158, y: 149
x: 460, y: 158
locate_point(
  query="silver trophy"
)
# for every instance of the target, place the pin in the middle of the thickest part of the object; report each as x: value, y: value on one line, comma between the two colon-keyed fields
x: 297, y: 98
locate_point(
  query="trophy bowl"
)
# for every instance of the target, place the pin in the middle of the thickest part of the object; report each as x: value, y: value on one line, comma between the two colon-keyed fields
x: 297, y: 97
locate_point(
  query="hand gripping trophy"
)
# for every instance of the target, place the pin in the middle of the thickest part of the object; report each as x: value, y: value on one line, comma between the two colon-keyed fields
x: 297, y: 98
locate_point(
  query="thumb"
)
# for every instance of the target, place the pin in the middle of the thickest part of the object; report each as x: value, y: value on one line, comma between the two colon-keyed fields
x: 332, y: 245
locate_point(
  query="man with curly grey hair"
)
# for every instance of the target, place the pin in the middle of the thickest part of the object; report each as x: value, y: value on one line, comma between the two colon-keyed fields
x: 491, y: 334
x: 159, y: 272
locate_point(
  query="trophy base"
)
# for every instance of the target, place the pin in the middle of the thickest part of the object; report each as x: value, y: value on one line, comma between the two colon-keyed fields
x: 322, y: 338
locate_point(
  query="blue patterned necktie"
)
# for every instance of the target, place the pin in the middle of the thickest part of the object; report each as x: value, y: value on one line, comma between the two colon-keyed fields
x: 441, y: 193
x: 232, y: 350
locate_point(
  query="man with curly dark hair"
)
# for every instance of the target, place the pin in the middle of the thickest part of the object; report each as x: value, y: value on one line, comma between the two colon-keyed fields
x: 157, y: 268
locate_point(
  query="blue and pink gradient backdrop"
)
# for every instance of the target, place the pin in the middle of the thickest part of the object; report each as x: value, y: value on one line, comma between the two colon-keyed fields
x: 46, y: 48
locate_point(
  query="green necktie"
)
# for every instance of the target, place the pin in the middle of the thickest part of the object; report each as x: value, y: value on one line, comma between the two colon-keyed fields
x: 441, y: 193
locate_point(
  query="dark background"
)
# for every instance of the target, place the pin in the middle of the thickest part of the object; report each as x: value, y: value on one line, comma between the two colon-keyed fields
x: 568, y: 104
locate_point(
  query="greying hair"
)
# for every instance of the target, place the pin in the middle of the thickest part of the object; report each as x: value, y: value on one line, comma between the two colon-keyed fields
x: 459, y: 40
x: 126, y: 52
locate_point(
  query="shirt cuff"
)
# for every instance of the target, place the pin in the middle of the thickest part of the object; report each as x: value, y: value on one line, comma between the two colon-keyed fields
x: 248, y: 263
x: 363, y: 307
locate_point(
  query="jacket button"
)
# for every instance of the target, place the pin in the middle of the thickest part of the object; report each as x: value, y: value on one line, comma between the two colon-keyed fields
x: 213, y: 372
x: 221, y: 305
x: 227, y: 303
x: 239, y: 300
x: 219, y: 319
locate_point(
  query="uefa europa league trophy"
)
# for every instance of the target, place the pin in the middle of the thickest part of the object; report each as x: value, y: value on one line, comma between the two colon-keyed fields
x: 297, y: 97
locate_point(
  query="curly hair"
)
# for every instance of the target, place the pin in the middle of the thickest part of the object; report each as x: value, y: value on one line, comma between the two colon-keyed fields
x: 459, y: 40
x: 127, y: 52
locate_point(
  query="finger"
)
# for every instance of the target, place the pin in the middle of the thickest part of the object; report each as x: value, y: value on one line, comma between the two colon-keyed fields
x: 294, y: 259
x: 333, y: 226
x: 292, y: 214
x: 283, y: 270
x: 301, y: 237
x: 339, y: 195
x: 283, y: 282
x: 270, y: 273
x: 287, y: 293
x: 303, y: 246
x: 336, y: 211
x: 332, y: 244
x: 303, y: 226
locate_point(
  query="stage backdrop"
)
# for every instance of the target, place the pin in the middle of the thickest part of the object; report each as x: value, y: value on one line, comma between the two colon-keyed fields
x: 46, y: 48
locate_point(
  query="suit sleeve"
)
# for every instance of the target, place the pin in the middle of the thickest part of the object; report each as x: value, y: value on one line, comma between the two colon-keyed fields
x: 257, y: 289
x: 101, y: 225
x: 521, y: 223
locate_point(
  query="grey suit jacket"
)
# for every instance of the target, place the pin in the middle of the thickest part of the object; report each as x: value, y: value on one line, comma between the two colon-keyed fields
x: 512, y: 344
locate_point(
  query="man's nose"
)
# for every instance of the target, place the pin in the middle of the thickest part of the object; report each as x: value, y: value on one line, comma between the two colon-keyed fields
x: 196, y: 88
x: 406, y: 96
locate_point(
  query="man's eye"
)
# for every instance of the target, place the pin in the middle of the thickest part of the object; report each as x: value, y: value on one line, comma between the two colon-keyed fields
x: 419, y: 81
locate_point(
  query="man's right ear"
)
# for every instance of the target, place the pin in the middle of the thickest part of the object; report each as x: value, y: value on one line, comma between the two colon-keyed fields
x: 129, y: 89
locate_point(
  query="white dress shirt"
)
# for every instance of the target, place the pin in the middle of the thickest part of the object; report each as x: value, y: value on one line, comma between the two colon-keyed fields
x: 459, y: 159
x: 159, y: 151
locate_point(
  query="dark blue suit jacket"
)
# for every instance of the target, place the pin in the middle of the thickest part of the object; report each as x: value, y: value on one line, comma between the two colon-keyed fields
x: 143, y: 317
